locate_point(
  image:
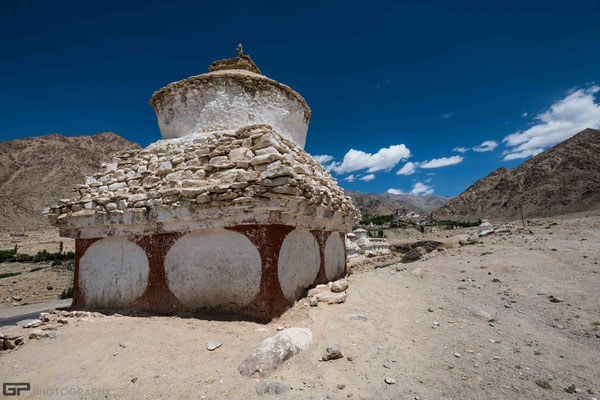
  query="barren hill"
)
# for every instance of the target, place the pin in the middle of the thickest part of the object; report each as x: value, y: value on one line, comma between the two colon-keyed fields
x: 387, y: 203
x: 37, y: 171
x: 561, y: 180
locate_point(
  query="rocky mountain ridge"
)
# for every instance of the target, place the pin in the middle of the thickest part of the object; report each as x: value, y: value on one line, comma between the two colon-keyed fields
x: 564, y: 179
x: 36, y: 172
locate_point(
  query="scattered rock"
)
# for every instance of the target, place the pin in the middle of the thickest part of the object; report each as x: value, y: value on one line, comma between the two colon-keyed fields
x: 16, y: 298
x: 265, y: 386
x: 332, y: 352
x: 331, y: 298
x: 416, y: 272
x: 542, y: 292
x: 478, y: 312
x: 339, y: 286
x: 39, y: 334
x: 314, y: 302
x: 273, y: 351
x: 213, y: 345
x: 555, y: 299
x: 415, y: 254
x: 357, y: 317
x: 49, y: 287
x: 341, y: 386
x: 390, y: 381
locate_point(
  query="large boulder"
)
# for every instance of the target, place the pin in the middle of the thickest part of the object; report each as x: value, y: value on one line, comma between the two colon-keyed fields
x: 272, y: 352
x: 415, y: 254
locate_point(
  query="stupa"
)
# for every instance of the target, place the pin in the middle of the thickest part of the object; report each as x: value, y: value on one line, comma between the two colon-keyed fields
x: 226, y: 214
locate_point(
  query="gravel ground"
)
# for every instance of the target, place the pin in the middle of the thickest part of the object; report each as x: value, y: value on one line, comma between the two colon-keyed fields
x: 421, y: 329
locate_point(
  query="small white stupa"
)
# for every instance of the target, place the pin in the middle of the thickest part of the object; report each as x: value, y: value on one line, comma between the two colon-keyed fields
x: 227, y: 214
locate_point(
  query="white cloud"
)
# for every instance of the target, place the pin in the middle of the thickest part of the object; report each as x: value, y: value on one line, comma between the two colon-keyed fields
x: 522, y: 154
x: 447, y: 115
x: 384, y: 159
x: 408, y: 169
x: 488, y: 145
x: 524, y: 114
x: 462, y: 150
x: 568, y: 116
x: 323, y: 158
x: 395, y: 191
x: 367, y: 178
x: 441, y: 162
x: 427, y: 180
x: 421, y: 188
x: 349, y: 178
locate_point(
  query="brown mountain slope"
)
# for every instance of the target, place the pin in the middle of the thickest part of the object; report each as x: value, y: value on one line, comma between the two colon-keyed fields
x: 561, y: 180
x: 387, y: 203
x: 38, y: 171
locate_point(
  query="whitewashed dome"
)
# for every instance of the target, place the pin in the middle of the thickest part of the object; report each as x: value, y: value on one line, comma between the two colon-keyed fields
x: 232, y: 95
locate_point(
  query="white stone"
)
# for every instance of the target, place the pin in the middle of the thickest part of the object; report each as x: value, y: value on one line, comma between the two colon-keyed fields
x: 216, y: 268
x: 299, y: 262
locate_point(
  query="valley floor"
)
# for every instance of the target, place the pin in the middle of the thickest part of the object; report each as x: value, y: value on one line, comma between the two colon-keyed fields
x: 421, y: 330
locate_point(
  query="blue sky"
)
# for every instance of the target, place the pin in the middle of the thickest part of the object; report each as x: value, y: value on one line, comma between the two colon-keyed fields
x: 388, y: 82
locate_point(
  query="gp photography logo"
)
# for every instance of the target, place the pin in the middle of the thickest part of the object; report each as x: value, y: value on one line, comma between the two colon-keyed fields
x: 15, y: 389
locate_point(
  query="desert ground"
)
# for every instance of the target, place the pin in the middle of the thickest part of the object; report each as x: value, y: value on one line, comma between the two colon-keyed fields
x: 424, y: 326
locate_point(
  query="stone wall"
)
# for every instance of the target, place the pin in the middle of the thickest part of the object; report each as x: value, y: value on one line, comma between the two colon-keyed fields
x: 253, y: 270
x: 253, y: 175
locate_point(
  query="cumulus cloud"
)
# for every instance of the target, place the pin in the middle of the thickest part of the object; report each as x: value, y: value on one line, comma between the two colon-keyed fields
x: 441, y: 162
x: 407, y: 169
x: 367, y: 178
x: 421, y: 188
x: 568, y: 116
x: 395, y: 191
x: 384, y: 159
x: 323, y: 158
x: 349, y: 178
x: 459, y: 149
x: 488, y: 145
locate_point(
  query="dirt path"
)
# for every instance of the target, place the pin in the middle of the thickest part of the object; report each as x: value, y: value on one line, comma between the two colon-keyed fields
x: 420, y: 331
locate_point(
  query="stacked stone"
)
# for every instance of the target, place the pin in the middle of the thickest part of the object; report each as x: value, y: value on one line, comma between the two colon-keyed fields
x: 252, y: 166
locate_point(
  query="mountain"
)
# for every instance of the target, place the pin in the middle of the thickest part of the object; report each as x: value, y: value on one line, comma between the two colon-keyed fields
x: 36, y: 172
x: 561, y: 180
x: 387, y: 203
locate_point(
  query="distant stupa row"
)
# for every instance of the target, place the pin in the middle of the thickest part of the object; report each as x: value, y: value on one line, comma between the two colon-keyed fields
x: 226, y: 214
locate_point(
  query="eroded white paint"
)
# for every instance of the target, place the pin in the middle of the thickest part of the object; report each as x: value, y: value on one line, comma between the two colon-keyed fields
x: 225, y: 104
x: 299, y: 262
x: 215, y: 268
x: 113, y: 272
x: 334, y: 256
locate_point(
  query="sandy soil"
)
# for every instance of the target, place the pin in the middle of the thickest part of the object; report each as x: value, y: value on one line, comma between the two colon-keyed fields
x: 420, y: 331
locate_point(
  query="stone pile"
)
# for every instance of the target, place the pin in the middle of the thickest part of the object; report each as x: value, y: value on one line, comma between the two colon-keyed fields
x: 252, y: 166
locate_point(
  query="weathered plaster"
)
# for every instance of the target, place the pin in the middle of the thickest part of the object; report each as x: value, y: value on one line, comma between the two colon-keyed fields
x: 299, y: 261
x: 335, y: 257
x: 113, y: 272
x: 215, y: 269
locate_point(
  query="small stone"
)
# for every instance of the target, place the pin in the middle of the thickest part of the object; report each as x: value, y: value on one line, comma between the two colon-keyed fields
x: 213, y: 345
x: 49, y: 287
x: 542, y: 292
x: 332, y: 352
x: 478, y: 312
x: 555, y: 299
x: 123, y: 345
x: 265, y: 386
x: 457, y: 355
x: 134, y: 380
x: 339, y: 286
x: 341, y: 386
x: 17, y: 298
x: 357, y: 317
x: 390, y: 381
x: 314, y: 302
